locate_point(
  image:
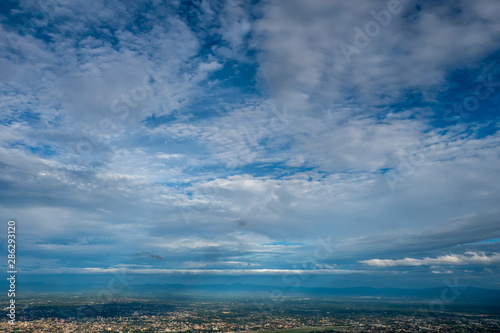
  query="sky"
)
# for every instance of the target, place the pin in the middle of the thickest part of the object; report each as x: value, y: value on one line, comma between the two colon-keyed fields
x: 312, y: 143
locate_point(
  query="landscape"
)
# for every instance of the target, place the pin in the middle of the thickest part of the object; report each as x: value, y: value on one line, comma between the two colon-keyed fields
x: 260, y: 311
x: 279, y: 166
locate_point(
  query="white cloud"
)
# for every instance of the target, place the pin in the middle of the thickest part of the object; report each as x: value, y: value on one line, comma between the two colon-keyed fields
x: 469, y: 258
x: 247, y: 171
x: 303, y: 64
x: 255, y: 271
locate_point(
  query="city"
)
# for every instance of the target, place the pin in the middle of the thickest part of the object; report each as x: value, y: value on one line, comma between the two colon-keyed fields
x: 293, y: 166
x: 292, y: 315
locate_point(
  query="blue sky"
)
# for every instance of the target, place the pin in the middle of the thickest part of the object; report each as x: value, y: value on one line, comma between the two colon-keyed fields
x: 355, y: 142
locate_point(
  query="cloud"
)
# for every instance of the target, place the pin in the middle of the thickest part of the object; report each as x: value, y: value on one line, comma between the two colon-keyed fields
x: 458, y: 231
x: 161, y: 127
x: 302, y: 62
x: 230, y: 272
x: 147, y: 254
x: 469, y: 258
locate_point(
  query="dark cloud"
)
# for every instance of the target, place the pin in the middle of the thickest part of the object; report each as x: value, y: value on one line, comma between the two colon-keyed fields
x: 147, y: 254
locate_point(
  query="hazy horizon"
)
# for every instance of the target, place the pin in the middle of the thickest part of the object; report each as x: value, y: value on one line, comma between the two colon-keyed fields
x: 299, y: 144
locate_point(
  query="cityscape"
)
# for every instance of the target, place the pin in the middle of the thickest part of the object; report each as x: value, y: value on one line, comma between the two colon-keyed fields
x: 278, y: 166
x: 246, y: 315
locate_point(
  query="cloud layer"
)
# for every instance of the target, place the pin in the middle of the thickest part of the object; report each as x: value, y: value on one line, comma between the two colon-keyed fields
x: 226, y: 136
x: 452, y: 259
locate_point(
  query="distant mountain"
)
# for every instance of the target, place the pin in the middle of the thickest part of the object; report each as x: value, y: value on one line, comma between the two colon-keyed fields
x: 238, y: 289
